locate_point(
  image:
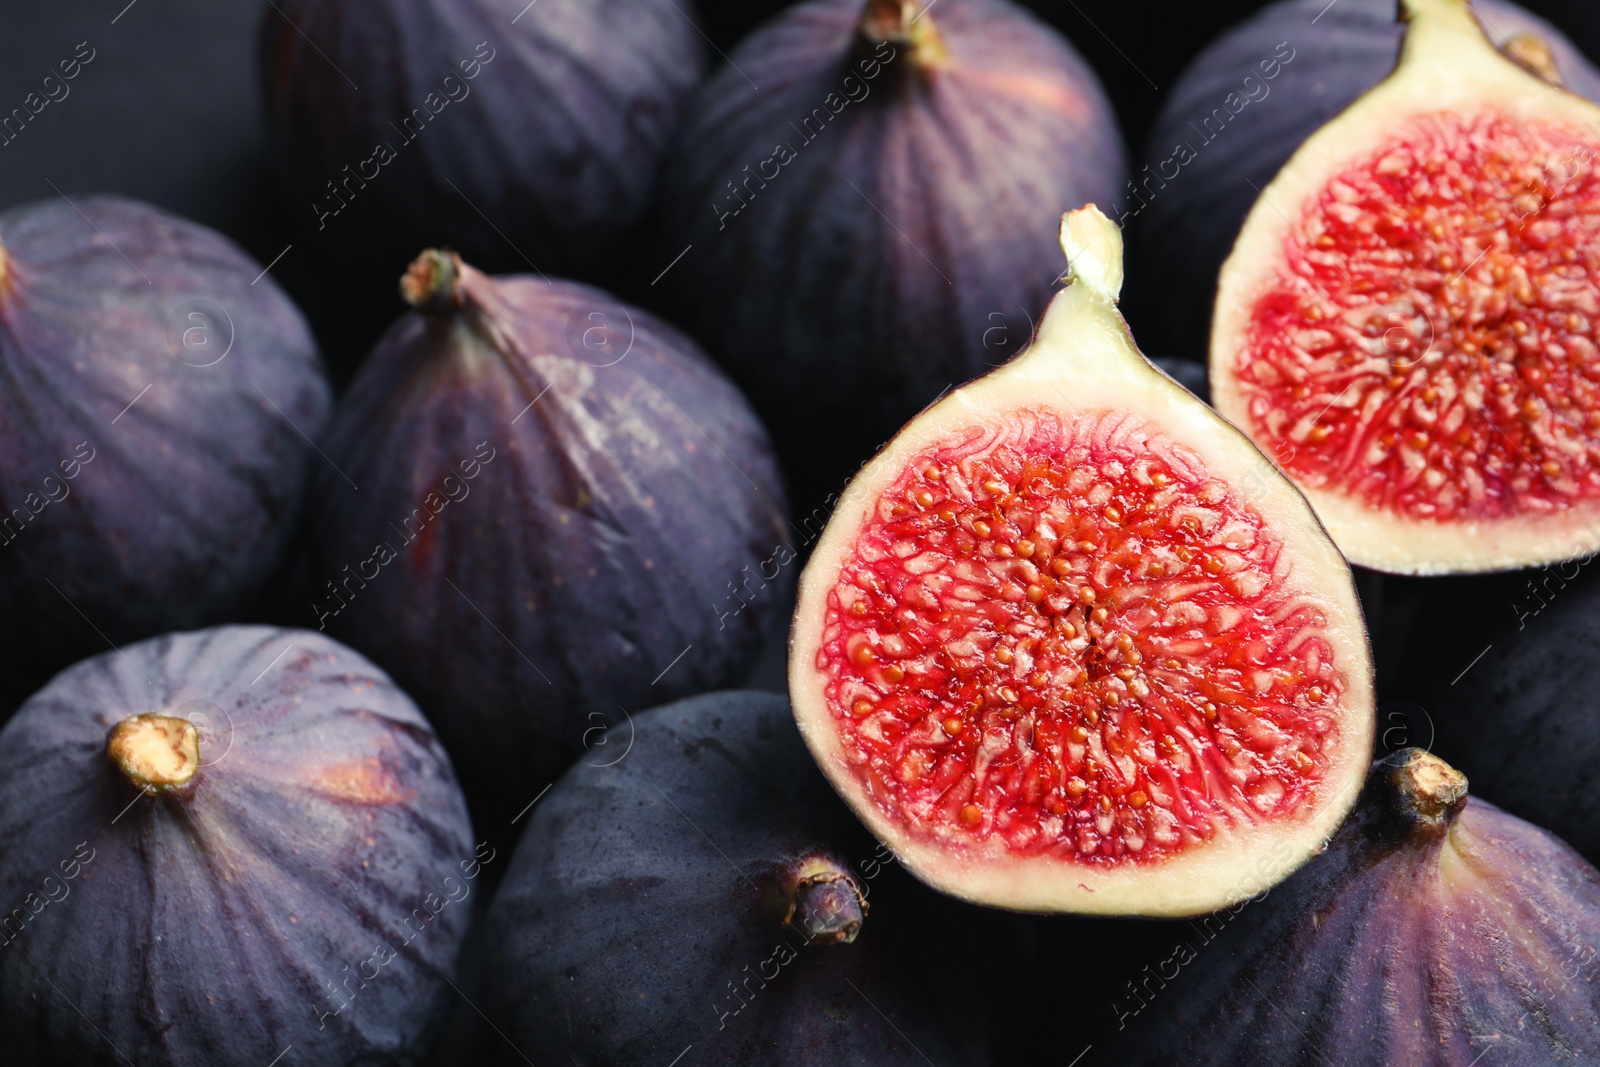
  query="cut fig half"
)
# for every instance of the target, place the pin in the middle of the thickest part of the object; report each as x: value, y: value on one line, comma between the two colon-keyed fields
x: 1071, y: 643
x: 1407, y: 321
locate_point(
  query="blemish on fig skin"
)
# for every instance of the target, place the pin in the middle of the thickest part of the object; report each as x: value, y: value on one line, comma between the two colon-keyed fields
x: 368, y: 782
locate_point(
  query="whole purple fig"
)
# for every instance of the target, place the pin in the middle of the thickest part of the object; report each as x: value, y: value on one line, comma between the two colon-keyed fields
x: 156, y: 422
x: 528, y: 136
x: 1434, y: 930
x: 563, y: 509
x: 223, y: 847
x: 884, y: 206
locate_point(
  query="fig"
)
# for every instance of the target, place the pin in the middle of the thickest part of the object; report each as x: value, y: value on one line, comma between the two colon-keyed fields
x: 1071, y: 643
x: 882, y: 207
x: 218, y: 844
x: 1238, y: 112
x: 543, y: 504
x: 1435, y: 930
x: 528, y: 137
x: 1516, y: 721
x: 708, y: 890
x: 156, y: 427
x: 1403, y: 323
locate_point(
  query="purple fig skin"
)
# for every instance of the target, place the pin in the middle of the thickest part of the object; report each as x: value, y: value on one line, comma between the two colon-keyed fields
x: 1519, y: 721
x: 905, y: 248
x: 621, y: 935
x: 541, y: 127
x: 1187, y: 214
x: 607, y: 507
x: 215, y: 924
x: 154, y: 461
x: 1434, y: 927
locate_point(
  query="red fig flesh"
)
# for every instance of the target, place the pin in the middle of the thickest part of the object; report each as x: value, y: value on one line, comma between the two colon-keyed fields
x: 1070, y: 643
x: 1406, y: 320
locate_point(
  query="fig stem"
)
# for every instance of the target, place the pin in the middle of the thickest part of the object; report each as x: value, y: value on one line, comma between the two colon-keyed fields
x: 432, y: 283
x: 157, y: 753
x: 827, y: 903
x: 1093, y: 245
x: 907, y: 26
x: 1426, y: 792
x: 1532, y: 52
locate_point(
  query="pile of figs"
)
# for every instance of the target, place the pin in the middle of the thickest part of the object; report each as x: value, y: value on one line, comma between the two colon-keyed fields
x: 756, y: 602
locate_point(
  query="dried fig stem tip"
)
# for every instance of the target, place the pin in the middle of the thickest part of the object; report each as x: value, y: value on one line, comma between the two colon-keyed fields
x: 432, y: 284
x: 1532, y: 52
x: 157, y: 753
x: 1427, y: 792
x: 1093, y: 245
x: 907, y: 26
x: 827, y: 904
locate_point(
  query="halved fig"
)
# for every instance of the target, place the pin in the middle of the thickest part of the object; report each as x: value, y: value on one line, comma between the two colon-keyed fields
x: 1071, y: 643
x: 1406, y: 321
